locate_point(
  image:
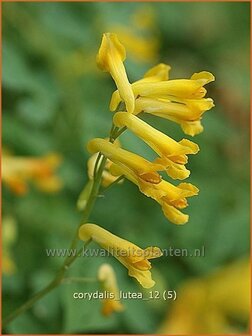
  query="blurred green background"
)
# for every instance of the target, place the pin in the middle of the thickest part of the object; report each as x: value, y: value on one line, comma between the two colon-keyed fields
x: 55, y: 100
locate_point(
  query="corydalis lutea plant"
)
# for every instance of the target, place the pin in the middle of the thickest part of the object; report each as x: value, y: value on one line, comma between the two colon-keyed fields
x: 182, y: 101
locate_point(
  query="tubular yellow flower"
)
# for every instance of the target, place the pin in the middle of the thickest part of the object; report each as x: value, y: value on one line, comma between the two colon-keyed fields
x: 146, y: 170
x: 110, y: 59
x: 170, y: 197
x: 16, y: 171
x: 186, y: 112
x: 158, y: 73
x: 172, y: 153
x: 107, y: 277
x: 135, y: 259
x: 182, y: 88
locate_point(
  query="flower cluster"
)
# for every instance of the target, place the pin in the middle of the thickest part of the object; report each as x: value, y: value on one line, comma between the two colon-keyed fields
x: 181, y: 101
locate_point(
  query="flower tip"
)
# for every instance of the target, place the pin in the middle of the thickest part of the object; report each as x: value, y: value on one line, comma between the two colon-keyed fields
x: 189, y: 189
x: 92, y: 145
x: 120, y: 118
x: 210, y: 104
x: 174, y: 215
x: 150, y: 284
x: 145, y: 279
x: 158, y: 252
x: 193, y: 148
x: 204, y: 76
x: 192, y: 128
x: 115, y: 101
x: 181, y: 220
x: 161, y: 71
x: 153, y: 252
x: 106, y: 272
x: 81, y: 232
x: 86, y: 230
x: 110, y: 45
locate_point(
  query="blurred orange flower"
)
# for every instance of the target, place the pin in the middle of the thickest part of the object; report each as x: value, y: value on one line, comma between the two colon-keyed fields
x: 18, y: 170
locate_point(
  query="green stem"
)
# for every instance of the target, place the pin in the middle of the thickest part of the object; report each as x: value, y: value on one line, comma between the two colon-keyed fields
x: 123, y: 129
x: 97, y: 163
x: 99, y: 166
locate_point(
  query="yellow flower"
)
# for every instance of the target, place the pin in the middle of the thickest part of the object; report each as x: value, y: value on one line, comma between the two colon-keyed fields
x: 157, y: 73
x: 170, y: 197
x: 17, y: 171
x: 135, y: 259
x: 182, y: 88
x: 186, y: 112
x: 172, y: 153
x: 146, y: 170
x: 107, y: 277
x: 110, y: 59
